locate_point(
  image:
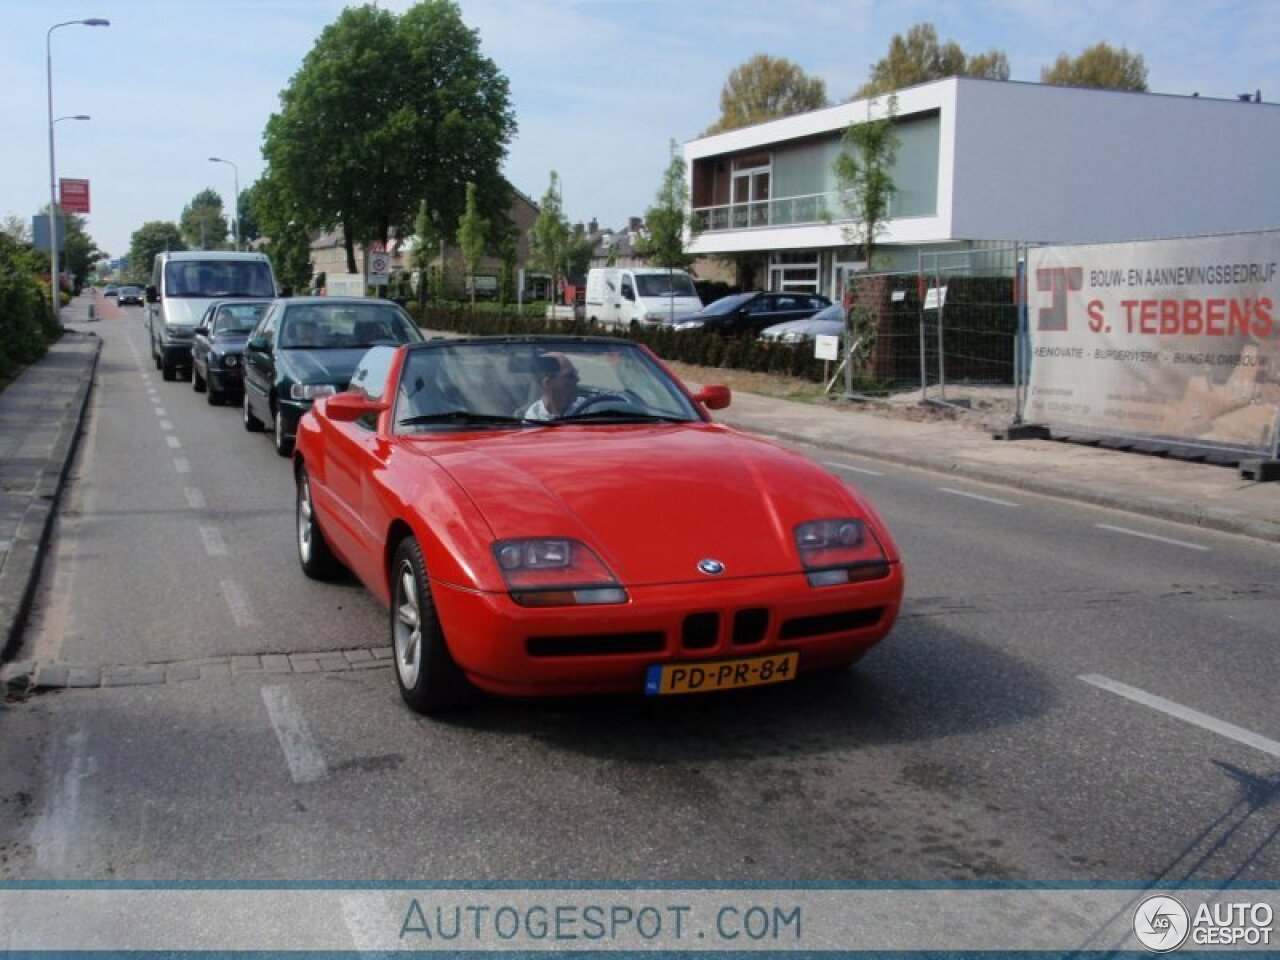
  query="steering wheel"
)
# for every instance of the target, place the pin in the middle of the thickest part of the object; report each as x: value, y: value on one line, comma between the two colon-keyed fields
x: 602, y: 398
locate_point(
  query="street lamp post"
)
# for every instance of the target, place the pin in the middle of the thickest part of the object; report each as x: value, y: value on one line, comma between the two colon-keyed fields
x: 235, y: 203
x: 55, y: 283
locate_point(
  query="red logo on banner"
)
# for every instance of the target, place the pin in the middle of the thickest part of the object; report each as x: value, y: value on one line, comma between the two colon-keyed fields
x: 74, y: 195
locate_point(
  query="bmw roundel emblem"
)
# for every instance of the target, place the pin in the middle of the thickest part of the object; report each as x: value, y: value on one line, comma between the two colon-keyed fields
x: 711, y: 567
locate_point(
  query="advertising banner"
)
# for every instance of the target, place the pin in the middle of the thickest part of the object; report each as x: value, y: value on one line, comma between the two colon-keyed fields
x: 1172, y: 341
x: 73, y: 195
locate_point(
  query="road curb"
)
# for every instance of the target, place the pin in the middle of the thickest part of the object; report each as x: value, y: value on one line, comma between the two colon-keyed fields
x: 21, y: 571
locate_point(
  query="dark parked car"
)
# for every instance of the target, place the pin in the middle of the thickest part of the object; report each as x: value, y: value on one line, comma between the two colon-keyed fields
x: 217, y: 352
x: 752, y: 312
x: 308, y: 347
x: 127, y: 295
x: 110, y: 290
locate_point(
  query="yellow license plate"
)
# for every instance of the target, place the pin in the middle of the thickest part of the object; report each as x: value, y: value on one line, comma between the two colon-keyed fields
x: 720, y: 674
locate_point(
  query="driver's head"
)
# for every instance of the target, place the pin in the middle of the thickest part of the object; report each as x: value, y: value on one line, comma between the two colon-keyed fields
x: 558, y: 380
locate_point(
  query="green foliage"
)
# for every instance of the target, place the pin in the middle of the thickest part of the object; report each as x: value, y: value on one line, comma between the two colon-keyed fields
x: 919, y: 58
x: 289, y: 244
x: 577, y: 253
x: 203, y: 224
x: 153, y: 237
x: 863, y: 172
x: 81, y: 252
x: 472, y: 229
x: 766, y: 88
x: 664, y: 245
x: 26, y: 322
x: 549, y: 237
x: 387, y: 112
x: 1101, y: 66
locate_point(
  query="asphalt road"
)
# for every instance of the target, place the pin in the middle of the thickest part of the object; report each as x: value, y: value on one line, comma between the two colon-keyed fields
x: 1071, y: 694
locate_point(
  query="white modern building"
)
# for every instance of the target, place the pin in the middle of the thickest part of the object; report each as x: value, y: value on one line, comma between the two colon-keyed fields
x: 983, y: 163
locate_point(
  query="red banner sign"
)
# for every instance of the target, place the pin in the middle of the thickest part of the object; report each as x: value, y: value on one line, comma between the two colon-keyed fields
x: 74, y: 195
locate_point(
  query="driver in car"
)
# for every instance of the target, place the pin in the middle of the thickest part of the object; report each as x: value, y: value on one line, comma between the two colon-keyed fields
x: 558, y: 382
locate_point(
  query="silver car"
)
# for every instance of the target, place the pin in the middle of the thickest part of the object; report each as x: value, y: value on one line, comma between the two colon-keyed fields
x: 826, y: 322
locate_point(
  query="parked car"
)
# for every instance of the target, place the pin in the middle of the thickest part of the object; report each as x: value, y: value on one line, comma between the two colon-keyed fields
x: 548, y: 557
x: 308, y: 347
x: 217, y: 352
x: 829, y: 321
x: 110, y: 290
x: 128, y: 295
x: 752, y: 312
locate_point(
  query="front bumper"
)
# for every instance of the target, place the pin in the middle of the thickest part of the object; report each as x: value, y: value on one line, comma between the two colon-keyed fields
x: 176, y: 352
x: 521, y: 651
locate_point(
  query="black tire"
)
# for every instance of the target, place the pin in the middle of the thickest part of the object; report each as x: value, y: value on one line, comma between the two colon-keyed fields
x: 251, y: 423
x: 429, y: 679
x: 317, y: 560
x: 283, y: 444
x: 197, y: 381
x: 169, y: 371
x: 214, y: 396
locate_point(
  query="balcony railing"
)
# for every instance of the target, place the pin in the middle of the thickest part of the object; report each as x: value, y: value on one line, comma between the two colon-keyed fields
x: 808, y: 209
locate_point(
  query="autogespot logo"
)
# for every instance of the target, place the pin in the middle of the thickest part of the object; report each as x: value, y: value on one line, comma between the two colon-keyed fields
x: 1161, y: 923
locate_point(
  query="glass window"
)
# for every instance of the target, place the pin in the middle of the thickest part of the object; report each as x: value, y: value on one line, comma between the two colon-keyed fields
x: 371, y: 373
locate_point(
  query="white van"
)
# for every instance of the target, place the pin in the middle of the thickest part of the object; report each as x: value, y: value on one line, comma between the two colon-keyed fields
x: 618, y: 296
x: 183, y: 284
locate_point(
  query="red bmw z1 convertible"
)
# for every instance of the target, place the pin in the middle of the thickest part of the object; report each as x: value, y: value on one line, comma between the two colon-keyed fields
x: 560, y: 515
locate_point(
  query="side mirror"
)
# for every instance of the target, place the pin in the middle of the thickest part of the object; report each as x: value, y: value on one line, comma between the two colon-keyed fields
x: 713, y: 397
x: 202, y: 331
x: 152, y: 295
x: 286, y: 291
x: 257, y: 343
x: 351, y: 406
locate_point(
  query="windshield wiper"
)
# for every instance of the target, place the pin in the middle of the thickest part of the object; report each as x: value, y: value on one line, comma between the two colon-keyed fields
x: 616, y: 415
x: 455, y: 416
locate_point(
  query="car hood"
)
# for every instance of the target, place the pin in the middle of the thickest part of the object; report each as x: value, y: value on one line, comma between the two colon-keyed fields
x: 652, y: 501
x: 320, y: 366
x: 185, y: 311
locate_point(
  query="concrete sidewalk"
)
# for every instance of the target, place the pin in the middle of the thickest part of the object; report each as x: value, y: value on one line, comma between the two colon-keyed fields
x: 42, y: 411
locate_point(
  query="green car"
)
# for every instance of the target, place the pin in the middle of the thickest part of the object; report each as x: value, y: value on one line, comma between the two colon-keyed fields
x: 308, y: 347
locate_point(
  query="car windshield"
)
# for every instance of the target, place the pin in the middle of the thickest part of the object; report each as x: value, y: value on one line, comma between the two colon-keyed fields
x: 665, y: 285
x: 218, y: 278
x: 238, y: 317
x: 727, y: 304
x: 345, y: 326
x: 835, y: 313
x: 130, y: 290
x: 502, y: 383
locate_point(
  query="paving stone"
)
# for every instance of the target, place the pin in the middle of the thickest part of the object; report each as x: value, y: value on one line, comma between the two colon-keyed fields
x: 333, y: 661
x: 131, y: 676
x: 19, y: 673
x: 84, y: 676
x: 303, y: 664
x: 370, y: 665
x: 381, y: 653
x: 212, y: 671
x: 182, y: 672
x: 276, y: 663
x: 246, y: 664
x: 357, y: 656
x: 52, y: 676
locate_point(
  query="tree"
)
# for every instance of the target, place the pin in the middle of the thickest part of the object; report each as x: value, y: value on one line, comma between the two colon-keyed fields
x: 203, y: 225
x: 472, y: 230
x: 577, y: 253
x: 16, y: 229
x: 288, y: 243
x: 766, y: 88
x: 81, y: 252
x: 919, y: 58
x: 863, y: 172
x: 153, y: 237
x: 1101, y: 66
x: 549, y: 236
x: 388, y: 111
x: 666, y: 219
x: 247, y: 220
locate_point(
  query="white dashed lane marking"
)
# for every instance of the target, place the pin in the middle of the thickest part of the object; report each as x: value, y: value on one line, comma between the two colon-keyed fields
x: 306, y: 763
x: 241, y: 609
x: 1150, y: 536
x: 1185, y: 714
x: 846, y: 466
x: 214, y: 545
x: 977, y: 496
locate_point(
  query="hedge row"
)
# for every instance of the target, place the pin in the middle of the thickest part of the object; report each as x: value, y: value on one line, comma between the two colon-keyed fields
x: 693, y: 347
x: 26, y: 323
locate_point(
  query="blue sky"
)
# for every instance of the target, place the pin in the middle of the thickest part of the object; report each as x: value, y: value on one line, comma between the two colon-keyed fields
x: 600, y: 87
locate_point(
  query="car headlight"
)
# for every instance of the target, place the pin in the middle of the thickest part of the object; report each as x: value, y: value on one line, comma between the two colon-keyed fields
x: 690, y: 325
x: 840, y: 551
x: 555, y: 572
x: 311, y: 391
x: 792, y: 337
x: 231, y: 360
